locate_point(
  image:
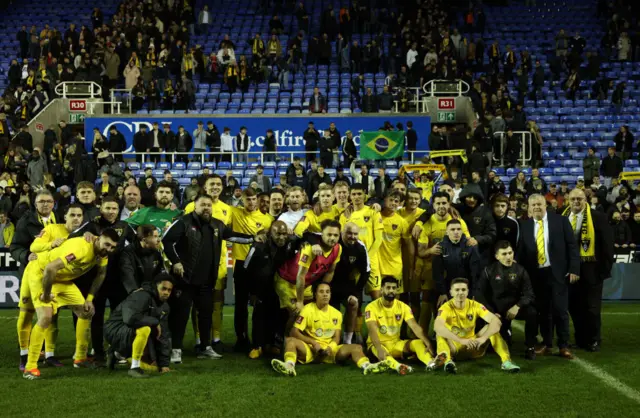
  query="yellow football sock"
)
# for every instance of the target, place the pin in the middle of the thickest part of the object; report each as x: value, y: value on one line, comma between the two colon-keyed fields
x: 83, y: 331
x: 24, y: 326
x: 500, y: 347
x: 216, y: 332
x: 442, y: 347
x: 51, y: 335
x: 35, y: 345
x: 418, y: 347
x: 140, y: 342
x: 425, y: 316
x: 290, y: 356
x: 363, y: 360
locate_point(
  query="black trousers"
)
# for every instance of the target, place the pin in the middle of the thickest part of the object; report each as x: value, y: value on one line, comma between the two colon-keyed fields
x: 552, y: 300
x: 215, y: 157
x: 530, y: 316
x: 115, y: 293
x: 156, y: 158
x: 265, y: 322
x: 326, y: 159
x: 585, y: 303
x: 241, y: 312
x: 183, y: 297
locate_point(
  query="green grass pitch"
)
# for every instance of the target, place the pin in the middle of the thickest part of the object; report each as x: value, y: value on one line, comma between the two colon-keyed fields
x: 239, y: 387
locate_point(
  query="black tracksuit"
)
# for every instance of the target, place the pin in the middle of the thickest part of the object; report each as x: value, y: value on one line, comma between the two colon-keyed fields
x: 138, y: 265
x: 479, y: 220
x: 27, y: 228
x: 455, y: 261
x: 140, y: 309
x: 197, y: 246
x: 261, y: 264
x: 354, y: 259
x: 507, y: 229
x: 500, y: 288
x: 111, y: 288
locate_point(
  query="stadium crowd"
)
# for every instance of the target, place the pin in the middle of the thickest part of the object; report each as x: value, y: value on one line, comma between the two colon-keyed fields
x: 157, y: 251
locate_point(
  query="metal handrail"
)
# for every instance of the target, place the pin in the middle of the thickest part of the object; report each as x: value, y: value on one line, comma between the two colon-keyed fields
x: 429, y: 87
x: 526, y: 139
x: 113, y: 99
x: 95, y: 90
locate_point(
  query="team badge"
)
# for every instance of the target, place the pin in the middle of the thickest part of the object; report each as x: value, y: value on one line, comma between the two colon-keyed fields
x: 506, y: 230
x: 215, y: 233
x: 25, y: 300
x: 303, y: 219
x: 299, y: 320
x: 477, y: 220
x: 464, y: 254
x: 512, y: 277
x: 258, y: 225
x: 398, y: 317
x: 155, y: 264
x: 352, y: 259
x: 335, y: 321
x: 498, y: 278
x: 304, y: 258
x: 470, y: 317
x: 367, y: 315
x: 394, y: 227
x: 483, y: 308
x: 119, y: 231
x: 366, y: 218
x: 585, y: 244
x: 70, y: 257
x: 224, y: 212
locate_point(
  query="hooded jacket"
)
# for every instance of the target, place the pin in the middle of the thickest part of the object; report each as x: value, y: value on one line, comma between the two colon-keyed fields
x: 456, y: 260
x: 138, y: 266
x: 479, y: 219
x: 140, y: 309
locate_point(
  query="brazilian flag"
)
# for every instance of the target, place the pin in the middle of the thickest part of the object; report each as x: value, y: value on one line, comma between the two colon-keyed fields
x: 381, y: 145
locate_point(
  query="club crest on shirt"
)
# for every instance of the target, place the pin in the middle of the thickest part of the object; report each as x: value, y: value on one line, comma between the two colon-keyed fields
x: 119, y: 231
x: 398, y: 316
x: 585, y: 244
x: 476, y: 220
x: 304, y: 258
x: 470, y: 317
x: 506, y: 230
x: 352, y: 259
x: 258, y: 225
x: 155, y: 264
x: 367, y: 315
x: 300, y: 319
x: 366, y: 218
x: 394, y: 227
x: 498, y: 278
x: 70, y: 257
x: 224, y: 212
x: 335, y: 321
x: 512, y: 277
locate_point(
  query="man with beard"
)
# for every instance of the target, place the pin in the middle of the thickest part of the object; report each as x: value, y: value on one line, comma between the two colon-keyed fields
x: 482, y: 227
x: 262, y: 262
x: 263, y: 202
x: 294, y: 199
x: 161, y: 215
x: 433, y: 231
x: 193, y: 245
x: 507, y: 228
x: 385, y: 317
x: 132, y: 198
x: 315, y: 338
x: 505, y: 289
x: 276, y: 203
x: 222, y: 212
x: 51, y: 237
x: 322, y: 211
x: 548, y: 251
x: 595, y: 243
x: 112, y: 288
x: 139, y: 324
x: 352, y: 273
x: 141, y: 260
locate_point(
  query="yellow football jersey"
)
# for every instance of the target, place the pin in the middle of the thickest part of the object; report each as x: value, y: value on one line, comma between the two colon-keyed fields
x: 389, y: 320
x: 434, y: 230
x: 48, y: 234
x: 78, y: 257
x: 410, y: 218
x: 249, y: 223
x: 339, y: 209
x: 462, y: 322
x: 310, y: 222
x: 427, y: 189
x: 368, y: 220
x: 318, y: 324
x: 395, y: 230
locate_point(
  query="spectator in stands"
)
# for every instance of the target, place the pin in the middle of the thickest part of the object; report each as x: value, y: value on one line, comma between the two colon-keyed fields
x: 117, y: 143
x: 349, y: 151
x: 316, y: 179
x: 381, y: 184
x: 184, y: 143
x: 494, y: 185
x: 611, y: 167
x: 519, y: 185
x: 591, y: 166
x: 326, y: 146
x: 536, y: 184
x: 264, y: 183
x: 191, y: 191
x: 478, y: 162
x: 622, y: 236
x: 141, y: 143
x: 226, y: 144
x: 634, y: 225
x: 369, y: 102
x: 299, y: 179
x: 513, y: 147
x: 617, y: 98
x: 131, y: 75
x: 204, y: 19
x: 105, y: 188
x: 199, y: 140
x: 624, y: 142
x: 598, y: 189
x: 242, y: 145
x: 269, y: 147
x: 317, y: 102
x: 311, y: 139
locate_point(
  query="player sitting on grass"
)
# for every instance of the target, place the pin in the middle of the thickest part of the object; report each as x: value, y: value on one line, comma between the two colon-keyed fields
x: 455, y: 327
x: 384, y: 317
x: 139, y: 323
x: 315, y: 338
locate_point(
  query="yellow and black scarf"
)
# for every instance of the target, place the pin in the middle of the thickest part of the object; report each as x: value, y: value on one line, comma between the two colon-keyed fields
x: 50, y: 221
x: 587, y: 239
x: 231, y: 71
x: 258, y: 46
x: 1, y: 128
x: 30, y: 81
x: 24, y: 113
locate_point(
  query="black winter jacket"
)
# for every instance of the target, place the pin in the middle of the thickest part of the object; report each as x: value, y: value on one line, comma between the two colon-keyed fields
x: 456, y: 260
x: 138, y: 265
x: 479, y: 219
x: 501, y: 287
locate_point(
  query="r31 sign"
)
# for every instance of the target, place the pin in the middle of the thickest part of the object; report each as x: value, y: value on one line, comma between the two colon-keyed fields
x: 446, y: 103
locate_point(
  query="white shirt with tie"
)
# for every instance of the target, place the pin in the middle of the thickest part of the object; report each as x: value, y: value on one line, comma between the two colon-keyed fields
x: 536, y: 226
x: 579, y: 217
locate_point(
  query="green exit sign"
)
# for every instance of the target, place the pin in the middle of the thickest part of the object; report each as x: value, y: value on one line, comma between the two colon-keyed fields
x: 446, y: 116
x: 76, y: 118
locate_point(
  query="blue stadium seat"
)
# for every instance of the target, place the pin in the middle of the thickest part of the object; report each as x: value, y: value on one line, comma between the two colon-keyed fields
x: 179, y: 166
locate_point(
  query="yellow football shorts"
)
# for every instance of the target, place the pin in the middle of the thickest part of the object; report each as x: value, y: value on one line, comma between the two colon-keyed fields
x: 64, y: 294
x: 287, y: 293
x: 311, y: 358
x: 392, y: 348
x: 26, y: 303
x: 462, y: 352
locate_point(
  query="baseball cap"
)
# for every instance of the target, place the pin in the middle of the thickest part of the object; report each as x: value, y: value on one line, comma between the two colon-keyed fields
x: 580, y: 178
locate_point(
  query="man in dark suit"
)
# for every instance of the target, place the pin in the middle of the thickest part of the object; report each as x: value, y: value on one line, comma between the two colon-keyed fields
x: 548, y: 251
x: 382, y: 184
x: 595, y: 244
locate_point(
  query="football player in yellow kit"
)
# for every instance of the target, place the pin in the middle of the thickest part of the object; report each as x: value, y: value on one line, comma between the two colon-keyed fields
x: 455, y: 327
x: 384, y: 317
x: 315, y: 338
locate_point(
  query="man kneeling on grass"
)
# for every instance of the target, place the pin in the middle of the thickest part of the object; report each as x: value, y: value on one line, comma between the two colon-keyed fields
x: 139, y: 324
x: 455, y: 327
x: 315, y: 338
